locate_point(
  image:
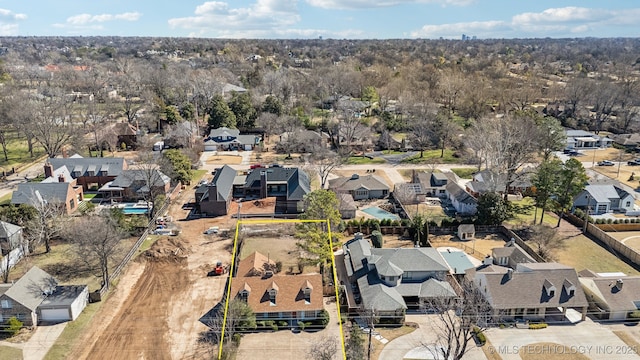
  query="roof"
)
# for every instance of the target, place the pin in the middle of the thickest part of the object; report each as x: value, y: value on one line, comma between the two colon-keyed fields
x: 7, y: 229
x: 223, y: 181
x: 75, y: 165
x: 253, y: 265
x: 29, y: 290
x: 459, y: 194
x: 227, y: 88
x: 128, y: 177
x: 224, y: 131
x: 289, y: 297
x: 458, y: 261
x: 354, y: 182
x: 466, y: 228
x: 625, y: 298
x: 297, y: 181
x: 346, y: 202
x: 379, y: 296
x: 63, y: 296
x: 526, y: 287
x: 411, y: 259
x: 602, y: 193
x: 513, y: 252
x: 31, y: 193
x: 124, y: 128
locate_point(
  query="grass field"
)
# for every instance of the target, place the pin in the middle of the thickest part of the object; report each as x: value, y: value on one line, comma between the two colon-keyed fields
x: 433, y: 157
x: 361, y: 160
x: 8, y: 352
x: 18, y: 153
x: 281, y: 248
x: 464, y: 173
x: 583, y: 253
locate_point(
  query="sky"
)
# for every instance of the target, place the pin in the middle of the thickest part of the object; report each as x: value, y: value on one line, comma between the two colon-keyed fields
x: 336, y: 19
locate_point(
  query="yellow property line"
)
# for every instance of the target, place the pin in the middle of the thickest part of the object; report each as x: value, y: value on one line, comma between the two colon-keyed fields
x: 233, y: 257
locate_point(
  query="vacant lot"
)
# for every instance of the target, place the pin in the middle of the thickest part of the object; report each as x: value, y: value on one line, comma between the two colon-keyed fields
x: 278, y: 245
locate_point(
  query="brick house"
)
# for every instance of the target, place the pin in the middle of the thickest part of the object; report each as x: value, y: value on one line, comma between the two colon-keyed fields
x: 90, y: 173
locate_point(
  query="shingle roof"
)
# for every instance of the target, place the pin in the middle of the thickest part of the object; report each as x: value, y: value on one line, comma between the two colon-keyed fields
x: 30, y: 288
x: 223, y: 180
x: 63, y: 296
x: 602, y: 193
x: 379, y: 296
x: 412, y: 259
x: 625, y: 298
x: 459, y: 194
x: 7, y: 229
x: 128, y: 177
x: 113, y: 166
x: 53, y: 192
x: 253, y: 265
x: 354, y: 182
x: 297, y: 181
x: 224, y: 131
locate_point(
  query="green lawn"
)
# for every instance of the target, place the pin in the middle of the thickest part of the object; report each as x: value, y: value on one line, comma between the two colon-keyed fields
x: 18, y: 152
x: 583, y: 253
x: 146, y: 244
x: 361, y: 160
x: 433, y: 157
x: 89, y: 196
x: 6, y: 200
x: 8, y: 352
x: 198, y: 174
x: 464, y: 173
x: 72, y: 332
x: 527, y: 218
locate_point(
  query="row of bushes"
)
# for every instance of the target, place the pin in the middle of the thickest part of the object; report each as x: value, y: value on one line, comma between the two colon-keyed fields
x: 374, y: 224
x: 319, y: 323
x: 537, y: 326
x: 581, y: 214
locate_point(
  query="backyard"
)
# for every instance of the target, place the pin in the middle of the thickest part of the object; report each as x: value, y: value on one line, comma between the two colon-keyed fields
x: 583, y: 253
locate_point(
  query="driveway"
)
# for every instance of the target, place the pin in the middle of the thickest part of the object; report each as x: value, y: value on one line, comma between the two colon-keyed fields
x: 592, y: 339
x: 290, y: 345
x: 40, y: 342
x: 425, y: 334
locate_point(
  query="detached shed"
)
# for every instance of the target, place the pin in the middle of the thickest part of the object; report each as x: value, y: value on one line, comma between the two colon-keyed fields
x: 466, y: 231
x: 64, y: 304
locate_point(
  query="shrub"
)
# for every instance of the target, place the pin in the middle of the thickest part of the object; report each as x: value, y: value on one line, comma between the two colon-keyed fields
x: 324, y: 318
x: 537, y: 326
x: 635, y: 315
x: 482, y: 339
x: 609, y: 221
x: 502, y: 326
x: 301, y: 325
x: 376, y: 239
x: 14, y: 326
x: 236, y: 338
x: 274, y: 327
x: 278, y: 266
x: 283, y: 324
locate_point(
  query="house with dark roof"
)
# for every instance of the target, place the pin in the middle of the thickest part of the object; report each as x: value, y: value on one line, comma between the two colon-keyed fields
x: 393, y: 280
x: 60, y: 189
x: 604, y: 198
x: 510, y: 256
x: 531, y: 291
x: 360, y: 187
x: 37, y: 297
x: 612, y: 296
x: 347, y: 205
x: 214, y: 198
x: 288, y: 185
x: 486, y: 181
x: 127, y: 134
x: 629, y: 141
x: 230, y: 139
x: 12, y: 244
x: 274, y: 296
x: 432, y: 184
x: 136, y: 184
x: 89, y: 173
x: 462, y: 201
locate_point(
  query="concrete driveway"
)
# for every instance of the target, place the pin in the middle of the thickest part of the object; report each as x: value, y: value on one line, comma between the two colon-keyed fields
x: 592, y: 339
x: 40, y: 342
x: 425, y: 334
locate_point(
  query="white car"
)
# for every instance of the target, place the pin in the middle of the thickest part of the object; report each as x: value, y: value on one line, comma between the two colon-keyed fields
x: 212, y: 230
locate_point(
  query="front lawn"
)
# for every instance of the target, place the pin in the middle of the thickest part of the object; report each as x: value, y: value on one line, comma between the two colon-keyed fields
x: 8, y: 352
x: 464, y: 173
x: 361, y: 160
x: 433, y: 157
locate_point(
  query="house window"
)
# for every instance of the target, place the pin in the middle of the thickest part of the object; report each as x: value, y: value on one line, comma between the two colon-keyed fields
x: 602, y: 208
x: 6, y: 304
x: 572, y: 292
x: 408, y: 275
x: 382, y: 278
x: 20, y: 317
x: 361, y: 192
x: 628, y: 203
x: 244, y: 295
x: 552, y: 293
x: 272, y: 297
x: 441, y: 192
x: 72, y: 203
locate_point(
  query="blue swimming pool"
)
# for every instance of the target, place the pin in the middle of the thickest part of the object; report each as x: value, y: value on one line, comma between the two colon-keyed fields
x: 133, y: 209
x: 380, y: 214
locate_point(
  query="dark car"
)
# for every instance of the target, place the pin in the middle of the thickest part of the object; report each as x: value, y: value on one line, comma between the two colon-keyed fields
x: 633, y: 162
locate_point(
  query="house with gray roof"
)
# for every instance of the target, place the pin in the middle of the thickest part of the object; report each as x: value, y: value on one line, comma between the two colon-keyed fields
x: 24, y: 298
x: 612, y: 296
x: 604, y: 198
x: 214, y: 198
x: 288, y: 185
x: 61, y: 193
x: 580, y: 139
x: 225, y: 138
x: 432, y: 184
x: 136, y: 184
x: 12, y: 245
x: 393, y: 280
x: 89, y: 173
x: 360, y: 187
x: 462, y: 201
x: 347, y: 205
x: 486, y: 181
x: 531, y: 291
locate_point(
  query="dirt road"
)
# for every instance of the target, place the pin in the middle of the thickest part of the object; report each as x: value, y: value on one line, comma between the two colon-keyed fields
x: 154, y: 312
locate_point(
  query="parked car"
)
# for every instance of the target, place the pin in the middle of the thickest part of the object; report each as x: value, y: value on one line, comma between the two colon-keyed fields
x: 571, y: 152
x: 634, y: 162
x: 605, y: 163
x: 212, y: 230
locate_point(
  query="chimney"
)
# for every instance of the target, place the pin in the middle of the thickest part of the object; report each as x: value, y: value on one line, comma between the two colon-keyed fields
x: 61, y: 178
x: 488, y: 260
x: 509, y: 274
x: 358, y: 236
x: 64, y: 153
x: 263, y: 184
x: 355, y: 177
x: 619, y: 284
x: 48, y: 170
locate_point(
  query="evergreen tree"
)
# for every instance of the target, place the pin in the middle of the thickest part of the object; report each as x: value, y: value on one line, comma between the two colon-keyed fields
x: 220, y: 114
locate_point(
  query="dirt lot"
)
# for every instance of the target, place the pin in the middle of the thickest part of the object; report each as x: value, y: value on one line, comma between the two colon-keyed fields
x: 224, y: 160
x: 154, y: 312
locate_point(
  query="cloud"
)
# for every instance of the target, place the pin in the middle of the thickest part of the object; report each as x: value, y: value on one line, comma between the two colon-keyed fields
x: 9, y: 22
x: 85, y: 19
x: 366, y: 4
x: 558, y: 22
x: 220, y: 19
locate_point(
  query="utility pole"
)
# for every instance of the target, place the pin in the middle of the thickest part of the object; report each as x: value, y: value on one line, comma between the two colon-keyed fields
x: 370, y: 334
x: 586, y: 218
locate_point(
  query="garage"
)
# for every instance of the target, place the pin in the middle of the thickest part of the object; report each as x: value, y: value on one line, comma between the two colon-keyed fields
x: 55, y: 315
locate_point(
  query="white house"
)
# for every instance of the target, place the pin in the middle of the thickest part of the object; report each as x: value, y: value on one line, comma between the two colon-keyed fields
x: 580, y: 139
x: 604, y: 198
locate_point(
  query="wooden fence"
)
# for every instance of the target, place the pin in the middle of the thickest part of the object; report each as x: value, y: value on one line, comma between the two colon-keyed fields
x: 613, y: 245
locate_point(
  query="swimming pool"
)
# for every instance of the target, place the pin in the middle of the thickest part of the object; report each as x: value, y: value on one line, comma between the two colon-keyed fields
x: 134, y: 209
x: 380, y: 214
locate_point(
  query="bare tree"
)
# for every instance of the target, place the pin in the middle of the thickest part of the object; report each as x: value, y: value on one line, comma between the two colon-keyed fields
x: 96, y: 241
x: 324, y: 161
x: 456, y: 320
x: 148, y: 179
x: 46, y: 225
x: 51, y: 122
x: 547, y: 241
x: 324, y: 349
x: 422, y: 136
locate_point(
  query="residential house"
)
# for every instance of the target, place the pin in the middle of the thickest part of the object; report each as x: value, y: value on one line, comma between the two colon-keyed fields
x: 490, y: 181
x: 229, y: 139
x: 580, y: 139
x: 287, y: 185
x: 612, y: 296
x: 37, y: 297
x: 137, y: 184
x: 274, y: 296
x: 466, y: 231
x: 347, y: 206
x: 182, y: 134
x: 531, y: 291
x: 127, y: 134
x: 214, y: 198
x: 303, y: 141
x: 509, y: 256
x: 392, y: 280
x: 89, y: 173
x: 463, y: 202
x: 12, y: 244
x: 445, y: 186
x: 604, y: 198
x: 433, y: 184
x: 360, y: 187
x: 59, y: 188
x: 629, y: 141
